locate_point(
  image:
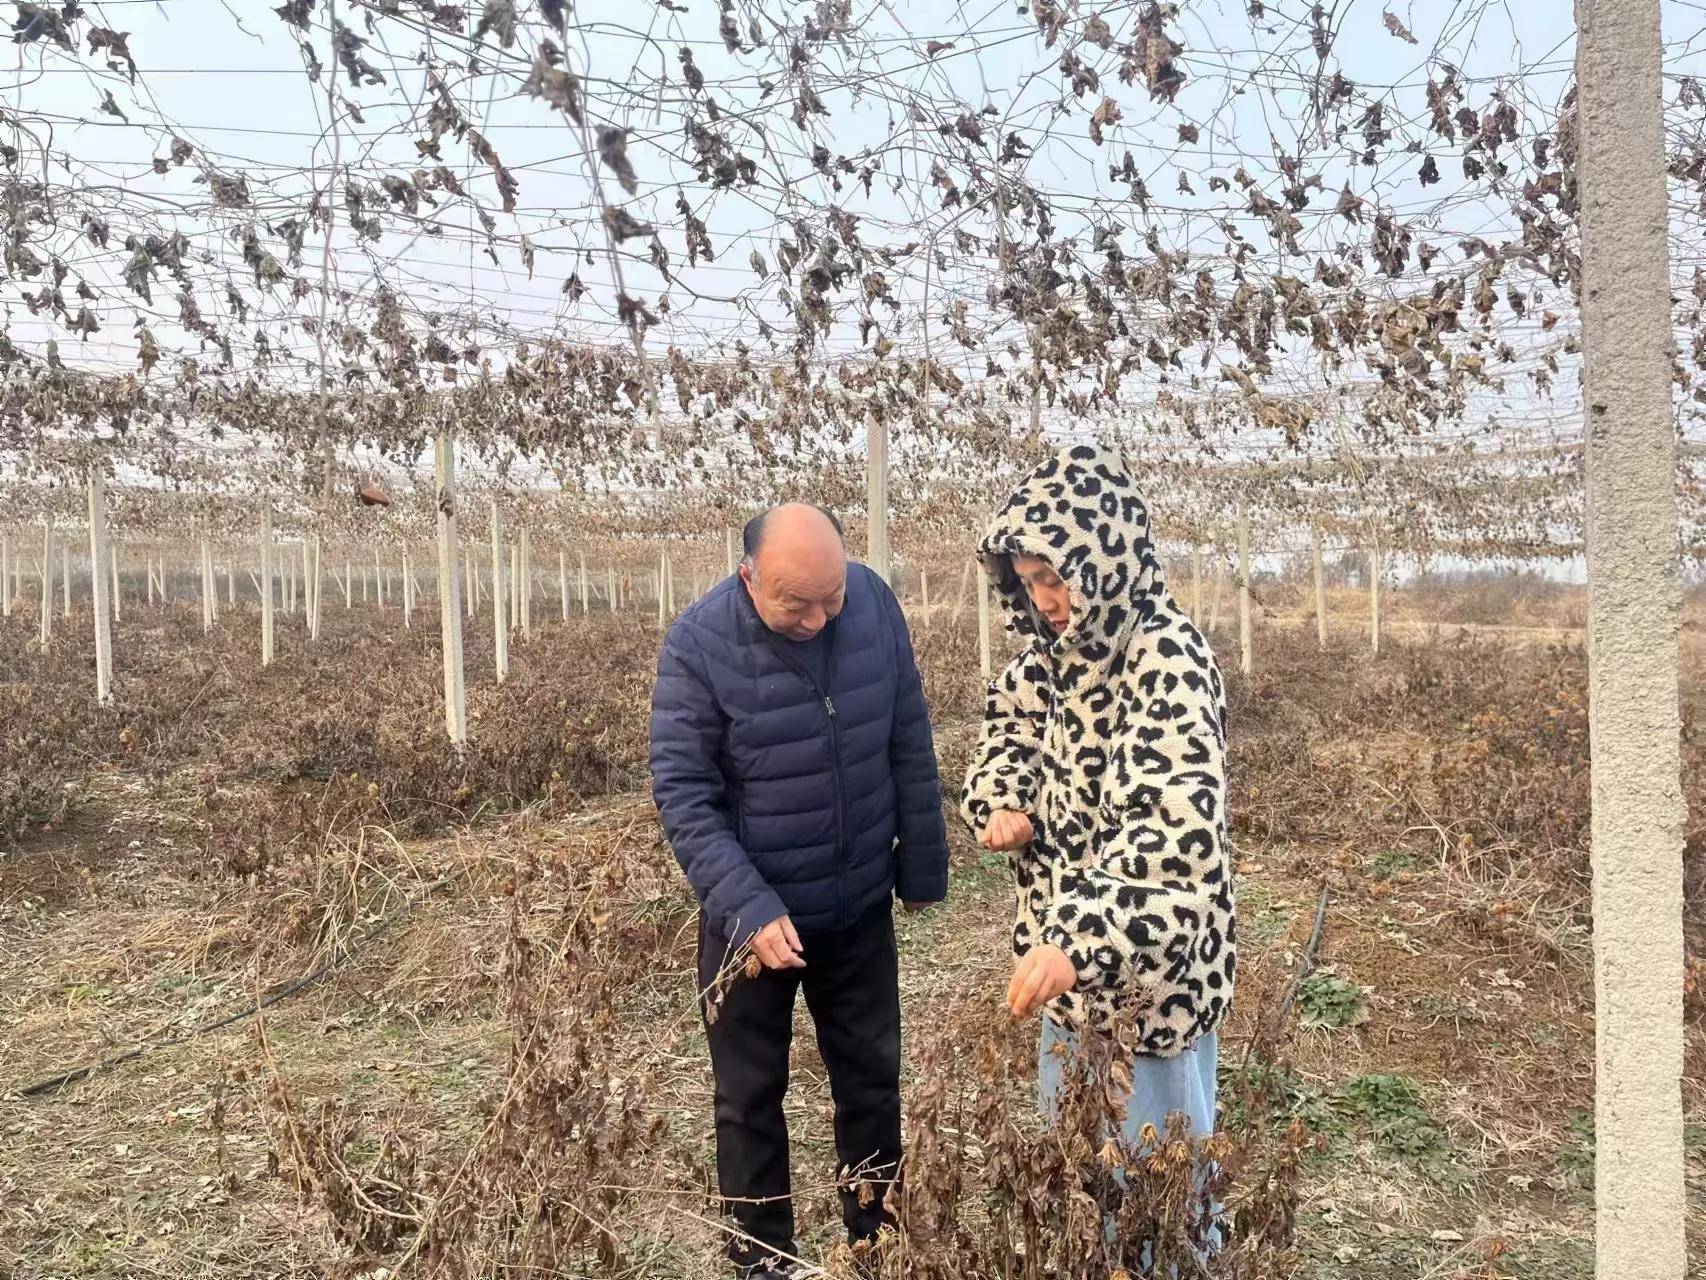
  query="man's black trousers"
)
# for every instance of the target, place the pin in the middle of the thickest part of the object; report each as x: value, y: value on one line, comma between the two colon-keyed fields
x: 852, y: 987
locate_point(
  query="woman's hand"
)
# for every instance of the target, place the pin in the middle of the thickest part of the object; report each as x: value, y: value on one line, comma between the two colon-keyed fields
x: 1041, y: 974
x: 1007, y: 829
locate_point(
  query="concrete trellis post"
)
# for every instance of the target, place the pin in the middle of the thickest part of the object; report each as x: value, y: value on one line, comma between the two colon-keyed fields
x: 98, y: 585
x: 408, y: 592
x: 449, y: 591
x: 1196, y: 584
x: 266, y: 588
x: 1219, y: 586
x: 669, y: 583
x: 311, y: 570
x: 500, y: 622
x: 118, y: 596
x: 663, y: 560
x: 586, y: 593
x: 1374, y: 597
x: 46, y: 586
x: 610, y: 594
x: 1634, y: 603
x: 514, y: 583
x: 468, y: 580
x: 5, y: 575
x: 65, y: 576
x: 308, y: 585
x: 148, y: 576
x: 206, y: 566
x: 1320, y: 586
x: 526, y: 553
x: 563, y: 580
x: 877, y: 496
x: 230, y: 582
x: 1246, y: 642
x: 984, y: 657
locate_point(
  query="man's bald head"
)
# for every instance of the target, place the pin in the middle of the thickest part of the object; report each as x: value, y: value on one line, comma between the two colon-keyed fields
x: 752, y: 536
x: 795, y: 568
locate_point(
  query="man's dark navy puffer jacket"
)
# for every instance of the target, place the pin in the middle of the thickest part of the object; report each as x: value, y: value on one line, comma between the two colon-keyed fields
x: 779, y: 797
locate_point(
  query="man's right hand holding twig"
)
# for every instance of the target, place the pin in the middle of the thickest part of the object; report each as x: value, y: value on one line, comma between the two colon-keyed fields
x: 777, y: 945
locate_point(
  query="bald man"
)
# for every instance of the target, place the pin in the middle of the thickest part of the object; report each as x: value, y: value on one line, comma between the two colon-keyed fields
x: 794, y: 769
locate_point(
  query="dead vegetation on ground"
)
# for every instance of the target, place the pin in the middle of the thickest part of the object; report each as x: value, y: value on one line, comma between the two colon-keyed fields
x: 501, y: 1068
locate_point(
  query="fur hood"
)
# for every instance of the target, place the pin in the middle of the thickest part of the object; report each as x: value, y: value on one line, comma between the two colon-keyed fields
x: 1081, y: 512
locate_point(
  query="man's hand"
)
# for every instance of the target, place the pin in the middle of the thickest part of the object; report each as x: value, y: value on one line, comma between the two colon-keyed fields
x: 777, y: 946
x: 913, y: 908
x: 1042, y: 974
x: 1006, y: 829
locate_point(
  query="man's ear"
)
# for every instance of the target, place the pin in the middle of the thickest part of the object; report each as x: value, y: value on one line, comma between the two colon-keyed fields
x: 746, y: 574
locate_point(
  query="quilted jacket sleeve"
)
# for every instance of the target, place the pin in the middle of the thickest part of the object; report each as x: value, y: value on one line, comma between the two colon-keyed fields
x: 1003, y: 770
x: 921, y: 868
x: 691, y: 794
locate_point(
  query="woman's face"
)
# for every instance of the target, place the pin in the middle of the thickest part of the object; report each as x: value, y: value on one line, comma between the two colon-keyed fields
x: 1047, y: 589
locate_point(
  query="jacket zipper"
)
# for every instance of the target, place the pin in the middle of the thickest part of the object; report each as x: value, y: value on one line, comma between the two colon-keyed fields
x: 834, y: 764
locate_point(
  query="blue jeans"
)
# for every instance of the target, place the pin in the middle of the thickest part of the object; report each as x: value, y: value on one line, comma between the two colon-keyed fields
x: 1159, y: 1087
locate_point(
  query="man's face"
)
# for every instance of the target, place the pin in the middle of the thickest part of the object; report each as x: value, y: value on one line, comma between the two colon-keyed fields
x: 797, y: 595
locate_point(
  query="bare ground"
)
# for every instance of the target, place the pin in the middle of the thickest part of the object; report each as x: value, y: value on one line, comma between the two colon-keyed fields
x: 1454, y: 1104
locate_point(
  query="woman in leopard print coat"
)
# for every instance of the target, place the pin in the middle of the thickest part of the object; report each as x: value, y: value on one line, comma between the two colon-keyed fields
x: 1101, y: 767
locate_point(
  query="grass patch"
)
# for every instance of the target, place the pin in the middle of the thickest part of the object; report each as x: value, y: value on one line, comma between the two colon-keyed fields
x: 1576, y: 1156
x: 1262, y: 1092
x: 1391, y: 862
x: 1438, y: 1008
x: 1554, y: 1259
x: 1393, y: 1107
x: 1260, y: 919
x: 1324, y: 999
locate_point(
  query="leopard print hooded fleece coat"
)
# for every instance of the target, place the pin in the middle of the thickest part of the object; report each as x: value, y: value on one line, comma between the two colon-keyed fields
x: 1111, y: 737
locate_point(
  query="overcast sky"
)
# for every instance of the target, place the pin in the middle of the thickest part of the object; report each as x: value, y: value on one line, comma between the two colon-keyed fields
x: 229, y: 79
